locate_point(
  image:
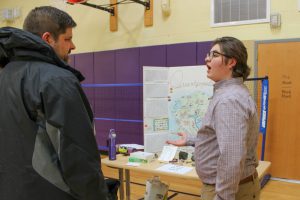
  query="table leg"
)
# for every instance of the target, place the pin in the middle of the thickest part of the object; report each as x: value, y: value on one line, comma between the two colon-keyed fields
x: 127, y: 179
x: 121, y: 189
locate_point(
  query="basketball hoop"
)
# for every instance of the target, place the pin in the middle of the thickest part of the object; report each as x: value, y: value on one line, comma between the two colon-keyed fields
x: 76, y: 1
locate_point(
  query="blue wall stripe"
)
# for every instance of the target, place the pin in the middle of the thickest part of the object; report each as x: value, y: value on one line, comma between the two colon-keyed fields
x: 119, y: 120
x: 112, y: 85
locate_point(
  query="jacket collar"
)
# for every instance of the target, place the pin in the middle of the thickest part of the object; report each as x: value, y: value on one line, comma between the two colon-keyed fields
x: 17, y: 44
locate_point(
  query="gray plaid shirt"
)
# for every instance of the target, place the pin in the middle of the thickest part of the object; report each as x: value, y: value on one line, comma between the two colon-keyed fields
x: 225, y: 147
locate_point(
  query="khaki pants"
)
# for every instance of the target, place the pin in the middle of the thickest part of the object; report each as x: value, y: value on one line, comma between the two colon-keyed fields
x: 247, y: 191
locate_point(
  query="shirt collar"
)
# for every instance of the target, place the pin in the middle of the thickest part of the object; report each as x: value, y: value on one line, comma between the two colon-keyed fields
x: 228, y: 82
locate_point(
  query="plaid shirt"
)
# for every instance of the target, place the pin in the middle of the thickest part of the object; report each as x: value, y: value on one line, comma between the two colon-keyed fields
x: 225, y: 147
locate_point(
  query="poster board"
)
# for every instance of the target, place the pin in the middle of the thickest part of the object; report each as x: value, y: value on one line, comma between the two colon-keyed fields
x: 175, y: 100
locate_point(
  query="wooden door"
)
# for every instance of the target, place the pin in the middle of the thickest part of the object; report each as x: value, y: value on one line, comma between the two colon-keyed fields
x: 280, y: 61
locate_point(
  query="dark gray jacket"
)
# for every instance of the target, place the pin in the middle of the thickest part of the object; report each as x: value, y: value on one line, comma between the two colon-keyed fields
x: 48, y: 149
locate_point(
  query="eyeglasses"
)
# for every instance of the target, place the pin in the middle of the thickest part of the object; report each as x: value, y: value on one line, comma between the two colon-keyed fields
x: 214, y: 54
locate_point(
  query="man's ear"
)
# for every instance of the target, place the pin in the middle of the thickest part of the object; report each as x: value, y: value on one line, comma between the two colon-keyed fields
x: 47, y: 37
x: 232, y: 63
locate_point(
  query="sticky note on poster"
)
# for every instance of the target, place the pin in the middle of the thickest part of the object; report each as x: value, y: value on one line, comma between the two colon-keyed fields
x: 161, y: 124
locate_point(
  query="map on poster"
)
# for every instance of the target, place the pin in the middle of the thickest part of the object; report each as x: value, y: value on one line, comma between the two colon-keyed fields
x: 175, y: 100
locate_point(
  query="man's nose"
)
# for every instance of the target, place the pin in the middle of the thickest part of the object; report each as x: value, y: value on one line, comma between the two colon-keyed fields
x: 206, y: 59
x: 72, y: 46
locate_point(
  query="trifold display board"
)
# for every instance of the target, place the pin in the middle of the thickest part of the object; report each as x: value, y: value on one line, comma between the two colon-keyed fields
x: 175, y: 100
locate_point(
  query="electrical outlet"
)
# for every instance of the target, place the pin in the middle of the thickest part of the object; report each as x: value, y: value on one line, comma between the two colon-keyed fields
x: 275, y: 20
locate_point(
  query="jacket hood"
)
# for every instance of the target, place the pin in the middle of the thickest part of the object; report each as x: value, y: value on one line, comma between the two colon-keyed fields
x: 16, y: 44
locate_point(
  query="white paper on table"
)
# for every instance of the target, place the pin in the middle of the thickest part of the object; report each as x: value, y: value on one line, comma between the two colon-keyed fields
x: 133, y: 164
x: 178, y: 169
x: 168, y: 153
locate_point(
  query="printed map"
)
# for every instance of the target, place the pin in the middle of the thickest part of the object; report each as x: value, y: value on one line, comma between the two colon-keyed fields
x: 189, y: 99
x: 175, y: 100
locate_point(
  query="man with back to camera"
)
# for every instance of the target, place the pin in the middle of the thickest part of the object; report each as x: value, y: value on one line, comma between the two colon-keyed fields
x: 48, y: 149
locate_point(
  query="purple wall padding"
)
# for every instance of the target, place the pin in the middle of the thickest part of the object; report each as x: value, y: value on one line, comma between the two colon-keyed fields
x: 202, y: 49
x: 128, y: 102
x: 182, y: 54
x: 128, y: 99
x: 104, y: 67
x: 128, y: 132
x: 153, y: 56
x: 84, y: 63
x: 105, y: 98
x: 104, y: 73
x: 128, y: 66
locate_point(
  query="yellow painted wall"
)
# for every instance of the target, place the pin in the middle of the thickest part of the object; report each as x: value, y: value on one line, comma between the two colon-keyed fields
x: 189, y: 22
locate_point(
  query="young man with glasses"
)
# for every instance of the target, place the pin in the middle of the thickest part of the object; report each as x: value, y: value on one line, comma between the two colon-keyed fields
x: 225, y: 146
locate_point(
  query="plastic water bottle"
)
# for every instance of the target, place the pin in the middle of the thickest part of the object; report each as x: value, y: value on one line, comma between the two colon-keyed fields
x: 112, y: 144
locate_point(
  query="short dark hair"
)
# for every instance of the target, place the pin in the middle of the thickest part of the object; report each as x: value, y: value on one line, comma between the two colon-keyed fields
x: 234, y: 48
x: 48, y: 19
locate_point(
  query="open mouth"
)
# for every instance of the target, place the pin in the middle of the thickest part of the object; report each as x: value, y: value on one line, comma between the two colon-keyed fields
x: 208, y: 67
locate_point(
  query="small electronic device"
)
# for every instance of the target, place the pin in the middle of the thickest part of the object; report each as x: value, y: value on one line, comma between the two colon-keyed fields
x: 183, y: 155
